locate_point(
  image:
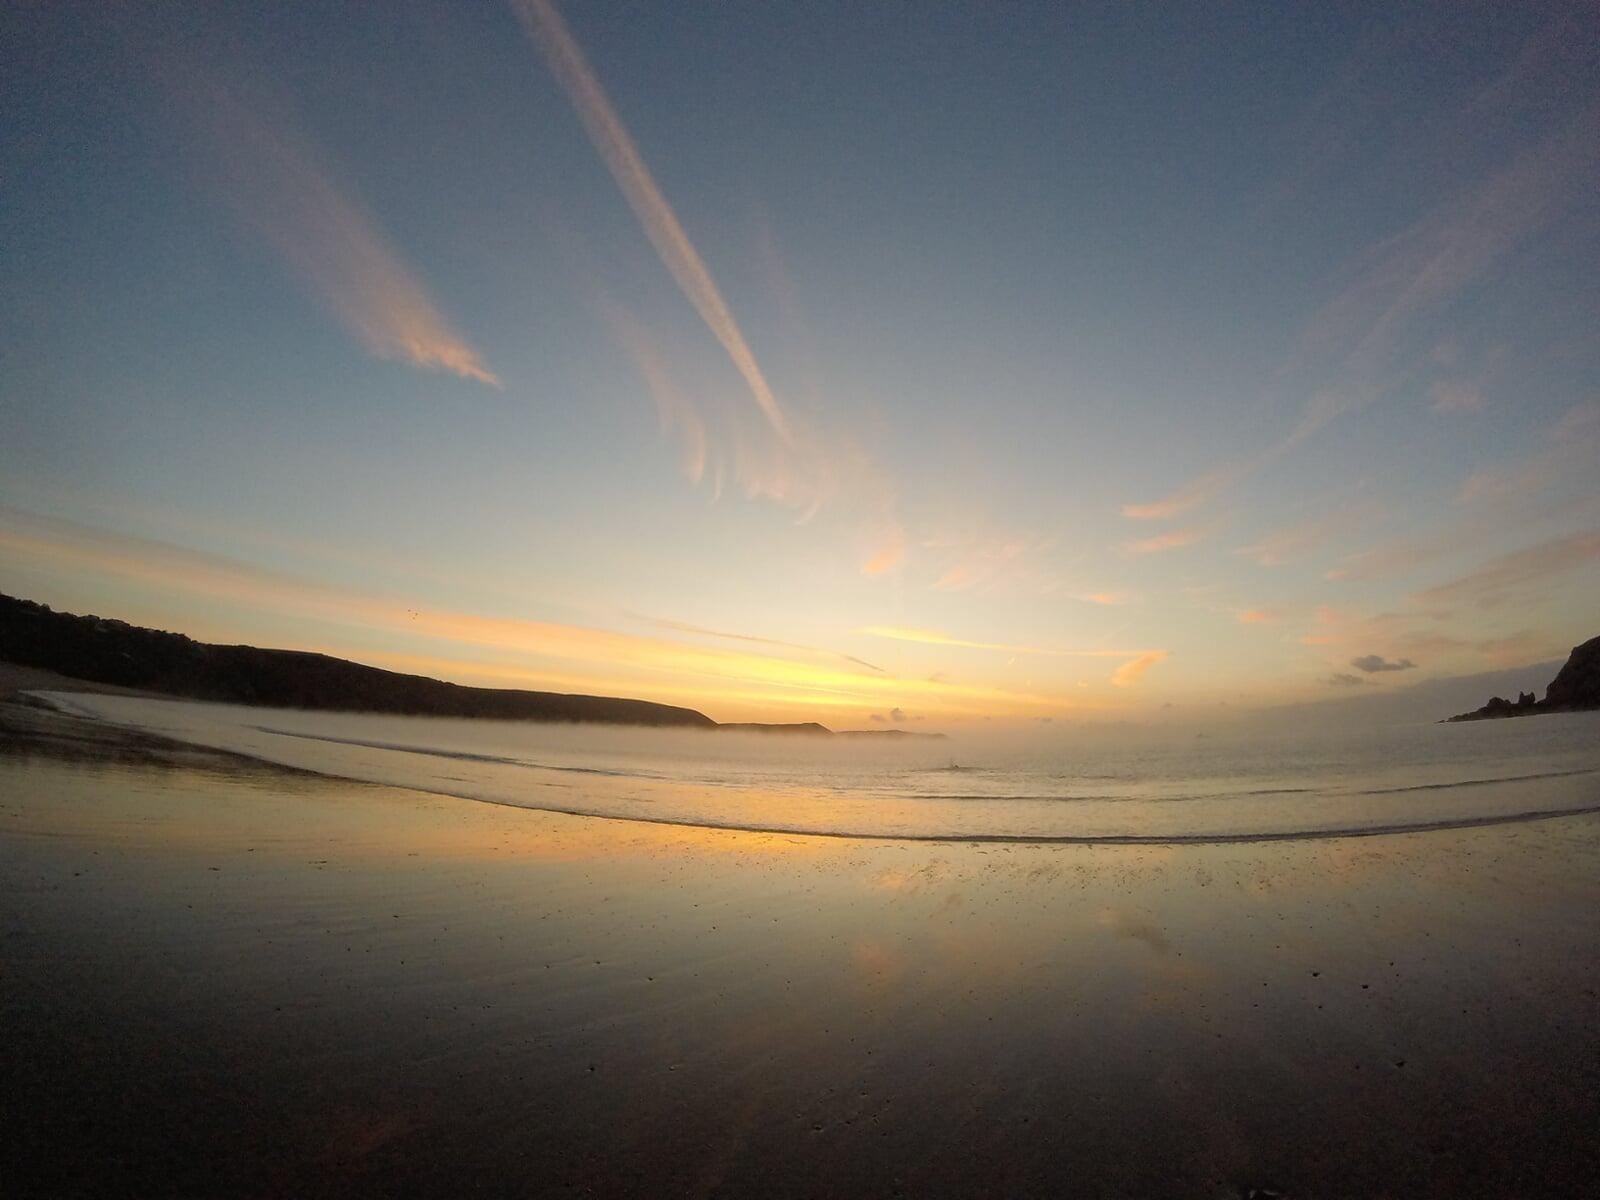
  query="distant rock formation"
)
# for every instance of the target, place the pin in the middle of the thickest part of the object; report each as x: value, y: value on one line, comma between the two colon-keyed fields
x: 1576, y: 688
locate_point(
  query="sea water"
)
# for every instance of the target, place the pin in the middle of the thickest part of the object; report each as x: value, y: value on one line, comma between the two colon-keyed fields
x: 1070, y: 784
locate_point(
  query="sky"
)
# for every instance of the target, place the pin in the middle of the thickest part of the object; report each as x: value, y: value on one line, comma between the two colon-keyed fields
x: 861, y: 363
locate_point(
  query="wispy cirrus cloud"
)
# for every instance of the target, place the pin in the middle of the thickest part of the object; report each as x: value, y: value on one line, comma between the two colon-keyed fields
x: 1294, y: 541
x: 1323, y: 408
x: 1173, y: 540
x: 1107, y: 599
x: 1360, y: 337
x: 702, y: 631
x: 616, y: 148
x: 803, y: 470
x: 1194, y: 494
x: 1130, y: 673
x: 1516, y: 574
x: 930, y: 637
x: 271, y: 177
x: 1571, y: 449
x: 720, y: 446
x: 676, y: 412
x: 988, y: 562
x: 1523, y: 646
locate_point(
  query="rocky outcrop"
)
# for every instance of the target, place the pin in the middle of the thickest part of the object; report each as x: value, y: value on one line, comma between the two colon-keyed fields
x: 1576, y: 688
x: 1577, y: 685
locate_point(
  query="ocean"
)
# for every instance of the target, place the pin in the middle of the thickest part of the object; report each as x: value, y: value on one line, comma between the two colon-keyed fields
x: 1071, y: 784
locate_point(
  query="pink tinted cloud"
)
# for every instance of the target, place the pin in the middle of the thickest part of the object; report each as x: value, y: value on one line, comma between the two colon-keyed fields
x: 273, y: 180
x: 1131, y: 672
x: 1508, y: 576
x: 1174, y: 540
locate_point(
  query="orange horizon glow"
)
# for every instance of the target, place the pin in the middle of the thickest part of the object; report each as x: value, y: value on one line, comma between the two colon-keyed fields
x: 788, y: 676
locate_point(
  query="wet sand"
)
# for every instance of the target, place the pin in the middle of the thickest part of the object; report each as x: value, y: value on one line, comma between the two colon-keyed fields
x: 224, y: 979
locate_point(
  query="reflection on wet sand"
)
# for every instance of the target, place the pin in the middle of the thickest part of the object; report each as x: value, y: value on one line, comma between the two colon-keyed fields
x: 247, y: 981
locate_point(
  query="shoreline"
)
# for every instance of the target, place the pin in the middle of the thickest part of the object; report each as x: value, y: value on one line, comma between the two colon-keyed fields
x: 224, y: 976
x: 31, y: 727
x: 223, y: 980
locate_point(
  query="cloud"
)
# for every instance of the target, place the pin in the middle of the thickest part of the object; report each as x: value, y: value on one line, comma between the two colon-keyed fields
x: 702, y: 631
x: 1320, y: 410
x: 880, y: 718
x: 1524, y: 646
x: 897, y: 715
x: 1285, y: 545
x: 1172, y: 540
x: 1503, y: 578
x: 676, y: 412
x: 931, y: 637
x: 1341, y: 679
x: 1417, y: 635
x: 1105, y: 598
x: 1454, y: 246
x: 272, y: 179
x: 1571, y: 449
x: 1519, y: 490
x: 1455, y: 396
x: 890, y: 553
x: 731, y: 445
x: 1129, y: 673
x: 1192, y: 495
x: 992, y: 562
x: 616, y: 148
x: 1376, y: 662
x: 541, y: 653
x: 1256, y: 616
x: 1358, y: 337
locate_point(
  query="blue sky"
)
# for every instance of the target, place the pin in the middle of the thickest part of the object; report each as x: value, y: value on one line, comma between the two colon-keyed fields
x: 1052, y: 360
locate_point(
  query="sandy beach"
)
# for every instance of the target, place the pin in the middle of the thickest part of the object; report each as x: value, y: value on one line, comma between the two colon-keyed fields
x: 227, y: 979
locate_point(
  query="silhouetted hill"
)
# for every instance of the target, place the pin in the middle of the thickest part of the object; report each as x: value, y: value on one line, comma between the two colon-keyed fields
x: 113, y: 652
x: 1576, y: 688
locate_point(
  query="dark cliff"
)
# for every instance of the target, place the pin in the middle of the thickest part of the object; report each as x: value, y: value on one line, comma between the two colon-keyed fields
x: 1576, y: 688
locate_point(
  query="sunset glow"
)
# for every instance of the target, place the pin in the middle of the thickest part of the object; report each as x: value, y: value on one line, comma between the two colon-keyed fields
x: 621, y: 362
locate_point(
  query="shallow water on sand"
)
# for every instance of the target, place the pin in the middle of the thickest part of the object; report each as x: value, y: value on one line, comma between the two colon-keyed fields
x: 238, y: 982
x: 1075, y: 786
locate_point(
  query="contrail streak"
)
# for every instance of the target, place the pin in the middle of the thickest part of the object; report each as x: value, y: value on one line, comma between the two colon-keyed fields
x: 615, y: 146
